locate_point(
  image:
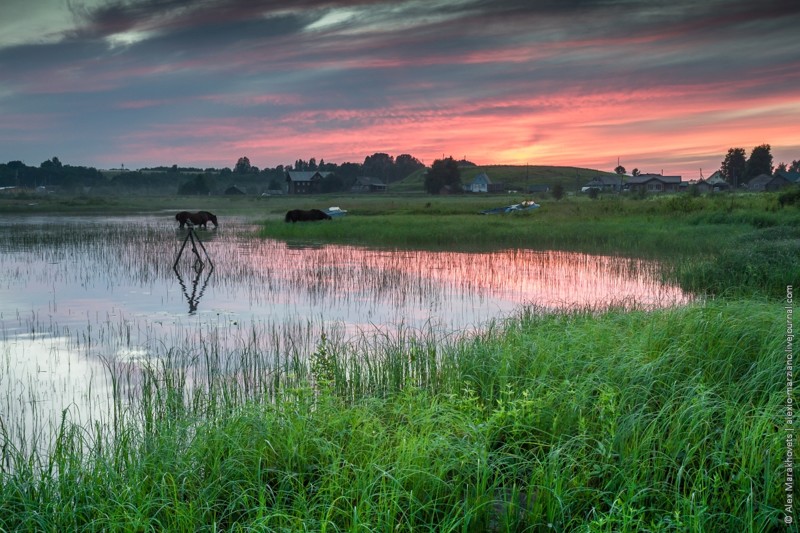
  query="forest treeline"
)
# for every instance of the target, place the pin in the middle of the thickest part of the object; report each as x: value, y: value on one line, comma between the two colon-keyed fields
x: 244, y: 177
x: 51, y: 175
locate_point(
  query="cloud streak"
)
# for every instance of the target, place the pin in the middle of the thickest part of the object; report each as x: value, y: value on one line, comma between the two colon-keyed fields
x: 662, y: 85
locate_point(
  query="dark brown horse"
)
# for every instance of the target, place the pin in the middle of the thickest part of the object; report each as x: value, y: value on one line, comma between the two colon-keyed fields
x: 201, y: 218
x: 301, y: 215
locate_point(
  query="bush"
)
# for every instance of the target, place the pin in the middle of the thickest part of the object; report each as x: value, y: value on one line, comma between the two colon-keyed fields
x: 789, y: 197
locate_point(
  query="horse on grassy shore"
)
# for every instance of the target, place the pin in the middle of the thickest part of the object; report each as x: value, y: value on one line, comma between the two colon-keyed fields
x: 302, y: 215
x: 201, y: 218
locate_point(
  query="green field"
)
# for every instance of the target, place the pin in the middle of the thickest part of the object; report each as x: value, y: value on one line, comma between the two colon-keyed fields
x: 667, y: 420
x: 513, y: 177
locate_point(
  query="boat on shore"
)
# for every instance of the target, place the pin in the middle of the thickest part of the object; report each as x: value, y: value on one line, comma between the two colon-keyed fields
x: 335, y: 212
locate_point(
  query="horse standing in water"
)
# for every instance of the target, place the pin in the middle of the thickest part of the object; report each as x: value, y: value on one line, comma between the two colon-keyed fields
x: 300, y: 215
x: 201, y: 218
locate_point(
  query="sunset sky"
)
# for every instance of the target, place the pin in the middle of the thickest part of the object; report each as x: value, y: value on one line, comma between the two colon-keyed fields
x: 666, y: 85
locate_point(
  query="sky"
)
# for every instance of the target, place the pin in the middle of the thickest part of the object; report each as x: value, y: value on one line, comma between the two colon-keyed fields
x: 664, y: 86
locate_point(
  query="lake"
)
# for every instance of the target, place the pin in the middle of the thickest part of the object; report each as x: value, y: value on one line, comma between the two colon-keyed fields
x: 83, y: 298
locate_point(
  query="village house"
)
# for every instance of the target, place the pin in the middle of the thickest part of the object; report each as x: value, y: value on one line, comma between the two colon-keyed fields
x: 482, y: 183
x: 604, y: 183
x: 792, y: 178
x: 304, y: 182
x: 765, y: 182
x: 654, y: 183
x: 233, y: 190
x: 368, y: 184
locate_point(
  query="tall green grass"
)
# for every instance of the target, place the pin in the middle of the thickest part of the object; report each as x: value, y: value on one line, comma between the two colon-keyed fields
x: 622, y: 421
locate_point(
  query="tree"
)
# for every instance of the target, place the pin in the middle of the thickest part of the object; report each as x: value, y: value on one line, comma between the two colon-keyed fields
x: 198, y: 186
x: 558, y: 191
x: 635, y: 172
x: 443, y: 173
x: 51, y: 164
x: 379, y: 165
x: 405, y: 164
x: 732, y: 168
x: 760, y: 162
x: 242, y: 166
x: 332, y: 183
x: 620, y: 170
x: 795, y: 166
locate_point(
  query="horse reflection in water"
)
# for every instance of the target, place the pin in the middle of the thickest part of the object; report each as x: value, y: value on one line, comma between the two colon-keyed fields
x: 193, y: 299
x: 200, y: 218
x: 198, y: 266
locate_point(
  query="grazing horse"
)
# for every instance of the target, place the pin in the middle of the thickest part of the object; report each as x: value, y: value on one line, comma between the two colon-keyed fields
x: 201, y: 218
x: 301, y: 215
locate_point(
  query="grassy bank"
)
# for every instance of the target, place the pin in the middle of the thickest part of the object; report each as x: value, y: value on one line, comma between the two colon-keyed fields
x: 723, y: 244
x: 667, y: 420
x: 654, y: 226
x: 619, y: 422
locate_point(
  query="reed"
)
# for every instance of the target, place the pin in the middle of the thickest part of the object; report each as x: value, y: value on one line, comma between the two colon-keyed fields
x: 613, y: 421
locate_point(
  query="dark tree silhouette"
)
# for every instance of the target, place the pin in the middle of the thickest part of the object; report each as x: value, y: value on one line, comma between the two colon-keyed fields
x: 732, y: 168
x: 444, y: 173
x: 760, y: 162
x: 242, y: 166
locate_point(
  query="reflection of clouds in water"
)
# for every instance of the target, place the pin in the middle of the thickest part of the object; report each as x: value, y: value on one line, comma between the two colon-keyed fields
x: 44, y: 376
x: 85, y: 271
x: 110, y: 285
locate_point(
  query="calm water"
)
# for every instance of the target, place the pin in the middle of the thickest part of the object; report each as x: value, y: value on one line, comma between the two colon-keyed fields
x: 81, y: 295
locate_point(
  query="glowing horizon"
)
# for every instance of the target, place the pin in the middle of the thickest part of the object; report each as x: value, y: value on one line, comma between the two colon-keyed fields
x: 147, y: 85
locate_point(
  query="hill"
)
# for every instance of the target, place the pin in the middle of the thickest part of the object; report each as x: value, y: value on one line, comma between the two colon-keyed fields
x: 514, y: 177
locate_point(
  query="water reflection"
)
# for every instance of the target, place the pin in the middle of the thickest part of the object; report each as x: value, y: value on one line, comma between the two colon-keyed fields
x: 194, y: 299
x: 77, y: 269
x: 192, y: 237
x: 114, y: 292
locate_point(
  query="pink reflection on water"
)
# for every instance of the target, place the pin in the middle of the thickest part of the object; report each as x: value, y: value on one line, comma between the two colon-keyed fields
x: 444, y: 280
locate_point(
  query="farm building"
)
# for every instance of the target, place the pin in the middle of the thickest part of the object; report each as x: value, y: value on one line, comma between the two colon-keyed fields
x: 304, y: 182
x: 654, y: 183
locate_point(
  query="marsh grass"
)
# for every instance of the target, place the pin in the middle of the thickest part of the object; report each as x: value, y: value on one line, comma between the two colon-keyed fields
x: 618, y: 421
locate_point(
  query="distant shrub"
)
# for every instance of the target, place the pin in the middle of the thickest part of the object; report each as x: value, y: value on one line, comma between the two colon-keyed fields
x: 684, y: 203
x: 789, y: 197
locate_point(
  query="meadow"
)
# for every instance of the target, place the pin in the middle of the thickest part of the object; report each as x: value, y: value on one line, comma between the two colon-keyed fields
x: 582, y: 420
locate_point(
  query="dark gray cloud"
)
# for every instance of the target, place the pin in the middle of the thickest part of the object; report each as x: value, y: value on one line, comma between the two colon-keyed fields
x: 119, y: 70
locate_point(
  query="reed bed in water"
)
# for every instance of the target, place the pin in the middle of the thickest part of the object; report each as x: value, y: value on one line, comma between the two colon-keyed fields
x: 618, y: 421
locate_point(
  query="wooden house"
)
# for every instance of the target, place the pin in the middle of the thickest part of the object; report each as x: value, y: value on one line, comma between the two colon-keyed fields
x: 368, y: 184
x: 304, y: 182
x: 654, y: 183
x: 482, y: 183
x: 766, y: 183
